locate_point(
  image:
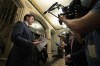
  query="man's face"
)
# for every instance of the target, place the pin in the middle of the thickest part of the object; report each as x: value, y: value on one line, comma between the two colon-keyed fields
x: 30, y: 20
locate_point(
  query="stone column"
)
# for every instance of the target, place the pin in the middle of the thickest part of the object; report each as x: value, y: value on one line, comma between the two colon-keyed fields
x: 48, y: 35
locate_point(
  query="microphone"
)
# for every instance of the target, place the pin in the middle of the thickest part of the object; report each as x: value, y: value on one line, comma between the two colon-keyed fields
x: 52, y: 9
x: 52, y: 6
x: 49, y: 10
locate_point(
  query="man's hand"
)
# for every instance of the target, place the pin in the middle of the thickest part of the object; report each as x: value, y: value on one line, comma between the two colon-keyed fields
x: 62, y: 18
x: 67, y: 57
x: 36, y: 42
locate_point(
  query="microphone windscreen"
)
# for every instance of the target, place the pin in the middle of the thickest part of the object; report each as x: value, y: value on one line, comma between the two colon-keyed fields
x: 53, y: 5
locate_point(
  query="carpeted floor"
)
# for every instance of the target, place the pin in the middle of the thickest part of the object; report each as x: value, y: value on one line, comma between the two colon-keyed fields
x: 59, y: 62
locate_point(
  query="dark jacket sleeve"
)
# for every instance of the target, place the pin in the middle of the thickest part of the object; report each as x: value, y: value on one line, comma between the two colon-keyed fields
x: 77, y: 54
x: 16, y: 35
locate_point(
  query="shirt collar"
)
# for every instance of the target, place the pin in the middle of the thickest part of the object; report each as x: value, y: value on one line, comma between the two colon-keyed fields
x: 26, y: 23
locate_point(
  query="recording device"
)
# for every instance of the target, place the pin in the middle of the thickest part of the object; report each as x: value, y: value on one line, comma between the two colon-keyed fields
x: 74, y: 10
x: 53, y: 7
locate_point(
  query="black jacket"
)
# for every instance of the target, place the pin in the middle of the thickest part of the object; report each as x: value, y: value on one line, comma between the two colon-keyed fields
x: 23, y: 52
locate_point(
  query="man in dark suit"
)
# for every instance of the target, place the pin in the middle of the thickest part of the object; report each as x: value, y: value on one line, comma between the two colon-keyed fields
x: 24, y: 49
x: 77, y: 56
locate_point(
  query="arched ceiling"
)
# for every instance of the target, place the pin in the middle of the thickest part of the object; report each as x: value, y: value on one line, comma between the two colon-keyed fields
x: 43, y: 5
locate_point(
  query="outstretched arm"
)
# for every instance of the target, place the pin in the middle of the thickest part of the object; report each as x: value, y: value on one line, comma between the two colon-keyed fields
x: 84, y: 24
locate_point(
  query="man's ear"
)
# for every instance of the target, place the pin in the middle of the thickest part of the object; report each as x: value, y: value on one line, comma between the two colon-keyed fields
x: 27, y: 18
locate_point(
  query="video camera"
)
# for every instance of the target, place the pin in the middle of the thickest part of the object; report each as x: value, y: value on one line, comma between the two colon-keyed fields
x: 74, y: 10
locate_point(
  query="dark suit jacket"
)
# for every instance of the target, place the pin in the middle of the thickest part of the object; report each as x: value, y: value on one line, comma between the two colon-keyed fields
x: 23, y: 50
x: 78, y: 54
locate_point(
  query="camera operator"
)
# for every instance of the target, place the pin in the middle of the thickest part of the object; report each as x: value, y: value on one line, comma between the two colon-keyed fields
x: 89, y: 24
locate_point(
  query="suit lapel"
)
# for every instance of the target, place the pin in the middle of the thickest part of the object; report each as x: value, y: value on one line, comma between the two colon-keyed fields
x: 28, y: 30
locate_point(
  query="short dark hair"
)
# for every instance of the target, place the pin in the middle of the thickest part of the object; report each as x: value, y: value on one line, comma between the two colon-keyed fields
x: 28, y: 15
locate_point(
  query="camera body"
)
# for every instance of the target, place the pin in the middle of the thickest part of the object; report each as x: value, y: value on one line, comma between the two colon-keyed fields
x: 74, y: 10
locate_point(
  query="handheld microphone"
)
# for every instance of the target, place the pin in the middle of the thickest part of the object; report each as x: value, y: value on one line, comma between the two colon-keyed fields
x: 52, y: 6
